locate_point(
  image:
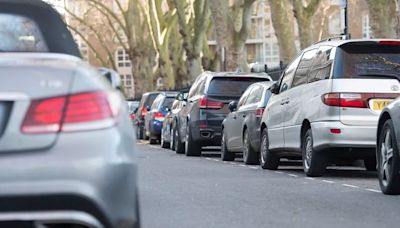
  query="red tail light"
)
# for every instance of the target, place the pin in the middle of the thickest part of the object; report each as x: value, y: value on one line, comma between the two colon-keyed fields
x: 259, y: 112
x: 144, y: 112
x: 350, y: 100
x: 159, y: 116
x: 82, y: 111
x: 206, y: 103
x: 389, y: 42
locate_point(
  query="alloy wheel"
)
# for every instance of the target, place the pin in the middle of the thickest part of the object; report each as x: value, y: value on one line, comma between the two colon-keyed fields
x: 386, y: 157
x: 309, y: 150
x: 264, y: 148
x: 245, y: 146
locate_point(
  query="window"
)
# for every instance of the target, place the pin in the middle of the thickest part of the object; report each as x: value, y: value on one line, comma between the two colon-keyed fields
x: 20, y: 34
x: 288, y: 75
x: 157, y: 102
x: 300, y: 76
x: 123, y: 59
x: 271, y: 53
x: 243, y: 98
x: 231, y: 86
x: 255, y: 95
x: 366, y: 28
x: 194, y: 88
x: 322, y: 64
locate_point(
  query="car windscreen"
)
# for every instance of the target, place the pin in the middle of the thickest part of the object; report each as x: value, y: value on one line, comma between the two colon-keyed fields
x: 368, y: 61
x: 231, y: 86
x: 151, y: 98
x: 20, y: 34
x: 168, y: 102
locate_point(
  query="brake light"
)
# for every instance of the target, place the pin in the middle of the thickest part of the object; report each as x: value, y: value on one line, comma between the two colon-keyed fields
x: 84, y: 111
x: 159, y: 116
x: 389, y: 42
x: 350, y: 100
x: 144, y: 112
x: 206, y: 103
x: 259, y: 112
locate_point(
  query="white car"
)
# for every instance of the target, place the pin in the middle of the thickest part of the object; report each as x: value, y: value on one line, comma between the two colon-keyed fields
x: 327, y: 103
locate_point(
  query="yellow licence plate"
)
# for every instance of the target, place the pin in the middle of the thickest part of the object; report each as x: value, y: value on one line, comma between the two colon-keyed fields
x: 379, y: 104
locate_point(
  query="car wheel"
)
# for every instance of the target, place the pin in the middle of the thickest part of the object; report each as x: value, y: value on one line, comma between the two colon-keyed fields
x: 172, y: 139
x: 226, y: 155
x: 179, y: 146
x: 388, y: 160
x: 250, y: 157
x: 146, y: 135
x: 192, y: 148
x: 314, y: 163
x: 164, y: 144
x: 370, y: 164
x: 268, y: 160
x: 152, y: 139
x: 139, y: 132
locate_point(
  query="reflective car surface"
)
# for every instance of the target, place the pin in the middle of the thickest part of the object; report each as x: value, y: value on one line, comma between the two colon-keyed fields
x: 66, y: 141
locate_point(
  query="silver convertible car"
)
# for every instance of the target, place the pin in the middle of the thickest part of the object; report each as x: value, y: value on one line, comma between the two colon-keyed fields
x: 66, y: 143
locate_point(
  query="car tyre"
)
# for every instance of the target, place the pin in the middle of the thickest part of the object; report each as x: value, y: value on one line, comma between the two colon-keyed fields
x: 370, y: 164
x: 179, y: 146
x: 152, y: 139
x: 268, y: 160
x: 314, y: 163
x: 226, y: 155
x: 388, y: 160
x: 139, y: 132
x: 250, y: 156
x: 164, y: 144
x: 192, y: 148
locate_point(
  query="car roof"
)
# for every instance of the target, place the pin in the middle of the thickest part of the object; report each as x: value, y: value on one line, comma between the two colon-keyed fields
x: 265, y: 84
x: 338, y: 42
x: 151, y: 93
x: 170, y: 93
x: 238, y: 74
x: 58, y: 37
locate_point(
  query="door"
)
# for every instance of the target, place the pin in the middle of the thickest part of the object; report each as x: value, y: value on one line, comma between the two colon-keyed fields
x: 233, y: 132
x: 276, y: 110
x: 294, y: 106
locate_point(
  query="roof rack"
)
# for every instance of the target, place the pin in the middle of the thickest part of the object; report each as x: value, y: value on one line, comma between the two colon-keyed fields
x: 341, y: 37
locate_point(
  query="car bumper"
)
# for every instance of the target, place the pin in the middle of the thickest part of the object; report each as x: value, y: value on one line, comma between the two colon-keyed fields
x: 349, y: 136
x: 90, y: 180
x: 206, y: 134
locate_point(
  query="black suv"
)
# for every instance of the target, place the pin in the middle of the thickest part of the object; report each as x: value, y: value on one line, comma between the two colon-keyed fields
x: 201, y: 119
x: 144, y: 107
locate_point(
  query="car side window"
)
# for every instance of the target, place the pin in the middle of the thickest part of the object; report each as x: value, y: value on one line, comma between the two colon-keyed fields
x: 244, y: 97
x: 288, y: 75
x: 255, y: 95
x: 300, y: 77
x: 201, y: 86
x: 321, y: 68
x: 156, y: 102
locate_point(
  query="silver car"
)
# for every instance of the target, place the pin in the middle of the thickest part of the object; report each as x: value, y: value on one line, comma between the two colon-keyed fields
x: 66, y: 142
x: 326, y: 106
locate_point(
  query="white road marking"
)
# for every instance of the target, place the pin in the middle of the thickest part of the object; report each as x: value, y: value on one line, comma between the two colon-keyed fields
x: 292, y: 175
x: 215, y: 160
x: 155, y: 147
x: 242, y: 165
x: 350, y: 185
x: 209, y: 159
x: 309, y: 178
x: 278, y: 172
x: 253, y: 167
x: 328, y: 181
x: 232, y: 163
x: 372, y: 190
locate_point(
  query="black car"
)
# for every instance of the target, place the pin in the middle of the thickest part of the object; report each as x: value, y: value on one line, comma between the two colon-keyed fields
x: 240, y: 129
x: 167, y: 131
x: 145, y: 105
x: 207, y: 106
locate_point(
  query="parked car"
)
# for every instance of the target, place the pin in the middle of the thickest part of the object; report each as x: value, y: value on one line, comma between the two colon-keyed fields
x: 67, y: 148
x: 207, y: 106
x: 387, y: 152
x: 155, y: 117
x: 241, y: 128
x: 326, y: 105
x: 167, y: 131
x: 133, y: 107
x: 144, y: 107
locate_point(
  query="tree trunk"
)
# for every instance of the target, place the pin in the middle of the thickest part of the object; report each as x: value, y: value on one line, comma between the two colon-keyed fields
x: 382, y: 14
x: 283, y: 30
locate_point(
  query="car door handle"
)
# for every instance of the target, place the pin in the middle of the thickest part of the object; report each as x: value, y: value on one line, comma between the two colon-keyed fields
x: 234, y: 117
x: 244, y: 115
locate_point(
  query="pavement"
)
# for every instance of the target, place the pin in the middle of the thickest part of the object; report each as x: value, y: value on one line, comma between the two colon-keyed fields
x: 179, y: 191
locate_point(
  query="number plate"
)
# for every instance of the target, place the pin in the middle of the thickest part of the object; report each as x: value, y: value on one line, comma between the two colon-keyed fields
x: 379, y: 104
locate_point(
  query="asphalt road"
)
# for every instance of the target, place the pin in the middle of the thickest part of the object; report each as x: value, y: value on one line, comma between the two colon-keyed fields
x: 178, y: 191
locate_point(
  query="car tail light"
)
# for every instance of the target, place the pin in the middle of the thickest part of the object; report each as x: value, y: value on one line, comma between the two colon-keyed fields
x: 83, y: 111
x: 350, y: 100
x: 144, y: 112
x: 159, y: 116
x: 133, y: 116
x: 206, y: 103
x: 259, y: 112
x: 389, y: 42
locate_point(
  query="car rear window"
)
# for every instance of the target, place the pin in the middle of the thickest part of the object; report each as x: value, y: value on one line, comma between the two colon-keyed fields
x: 368, y: 61
x: 20, y: 34
x: 231, y: 86
x: 168, y: 102
x: 151, y: 98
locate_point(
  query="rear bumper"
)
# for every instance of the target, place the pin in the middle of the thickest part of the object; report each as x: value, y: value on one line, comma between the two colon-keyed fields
x: 349, y: 137
x: 155, y: 128
x: 205, y: 134
x: 82, y: 177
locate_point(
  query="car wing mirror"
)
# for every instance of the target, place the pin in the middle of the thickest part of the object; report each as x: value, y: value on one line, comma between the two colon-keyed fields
x: 275, y: 88
x: 233, y: 106
x: 112, y: 76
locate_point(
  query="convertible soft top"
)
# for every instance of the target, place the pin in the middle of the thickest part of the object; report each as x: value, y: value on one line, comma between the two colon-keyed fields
x: 58, y: 38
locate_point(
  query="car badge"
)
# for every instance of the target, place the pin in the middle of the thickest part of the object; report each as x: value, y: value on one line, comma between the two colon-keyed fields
x: 395, y: 88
